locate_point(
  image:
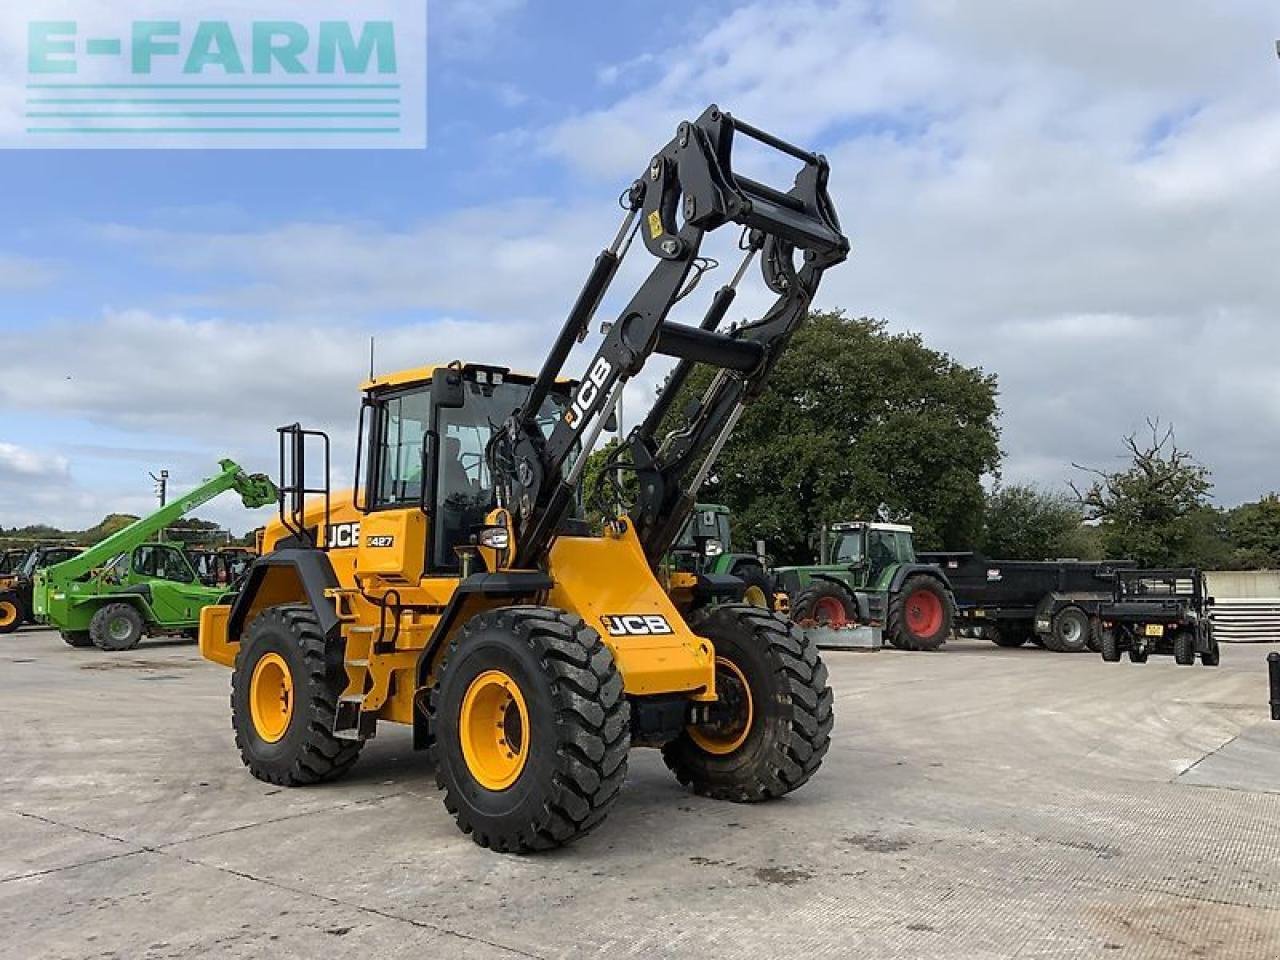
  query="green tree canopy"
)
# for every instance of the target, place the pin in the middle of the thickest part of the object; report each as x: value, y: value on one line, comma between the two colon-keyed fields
x: 1024, y: 522
x: 1254, y: 533
x: 857, y: 422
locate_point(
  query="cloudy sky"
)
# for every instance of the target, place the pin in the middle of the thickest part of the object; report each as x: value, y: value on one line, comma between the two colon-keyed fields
x: 1081, y: 197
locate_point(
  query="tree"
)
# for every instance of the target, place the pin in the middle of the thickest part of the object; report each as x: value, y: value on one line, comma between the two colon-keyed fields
x: 1024, y: 522
x: 1156, y: 510
x: 1254, y: 533
x: 857, y: 422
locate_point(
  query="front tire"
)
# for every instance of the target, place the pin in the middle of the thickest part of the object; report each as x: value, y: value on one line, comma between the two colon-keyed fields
x: 1213, y: 656
x: 757, y: 587
x: 1110, y: 646
x: 10, y: 614
x: 1137, y: 655
x: 919, y: 615
x: 116, y: 627
x: 1007, y: 635
x: 284, y: 694
x: 824, y: 603
x: 76, y: 638
x: 776, y: 724
x: 531, y: 729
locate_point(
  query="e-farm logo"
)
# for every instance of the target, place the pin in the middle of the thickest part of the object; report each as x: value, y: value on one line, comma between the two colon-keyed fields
x: 218, y: 73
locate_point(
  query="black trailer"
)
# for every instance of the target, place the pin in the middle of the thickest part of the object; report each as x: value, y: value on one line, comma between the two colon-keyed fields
x: 1165, y: 612
x: 1053, y: 603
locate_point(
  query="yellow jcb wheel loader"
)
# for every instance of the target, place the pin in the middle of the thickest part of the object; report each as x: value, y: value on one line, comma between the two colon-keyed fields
x: 455, y: 588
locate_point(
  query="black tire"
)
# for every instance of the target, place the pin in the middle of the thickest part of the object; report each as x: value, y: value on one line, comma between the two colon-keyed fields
x: 898, y: 624
x: 76, y: 638
x: 1184, y: 648
x: 116, y: 627
x: 1213, y: 656
x: 1109, y: 646
x: 11, y: 614
x: 1095, y: 635
x: 816, y: 604
x: 1137, y: 655
x: 1006, y: 635
x: 1069, y: 632
x: 577, y: 737
x: 754, y: 578
x: 789, y: 732
x: 307, y: 752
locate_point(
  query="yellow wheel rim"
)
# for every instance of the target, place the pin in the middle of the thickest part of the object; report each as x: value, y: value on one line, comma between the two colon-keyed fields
x: 754, y: 595
x: 8, y: 613
x: 271, y: 697
x: 494, y: 730
x: 725, y: 737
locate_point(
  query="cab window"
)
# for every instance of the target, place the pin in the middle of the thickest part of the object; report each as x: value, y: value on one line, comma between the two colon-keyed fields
x: 406, y: 420
x: 848, y: 547
x: 163, y: 563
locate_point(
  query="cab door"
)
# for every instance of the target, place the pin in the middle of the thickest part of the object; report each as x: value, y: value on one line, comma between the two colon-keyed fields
x: 176, y: 592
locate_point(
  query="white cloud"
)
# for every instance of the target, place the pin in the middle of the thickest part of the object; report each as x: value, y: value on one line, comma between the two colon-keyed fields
x: 22, y: 273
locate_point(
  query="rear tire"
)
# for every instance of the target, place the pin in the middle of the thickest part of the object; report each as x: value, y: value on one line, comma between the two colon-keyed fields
x: 1110, y: 646
x: 551, y: 766
x: 757, y: 586
x: 778, y: 736
x: 1184, y: 648
x: 1212, y: 656
x: 116, y: 627
x: 1070, y: 631
x: 825, y: 603
x: 76, y: 638
x: 919, y: 615
x: 285, y: 645
x: 10, y: 614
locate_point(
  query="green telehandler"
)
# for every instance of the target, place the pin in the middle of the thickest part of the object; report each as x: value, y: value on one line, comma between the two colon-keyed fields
x: 129, y: 586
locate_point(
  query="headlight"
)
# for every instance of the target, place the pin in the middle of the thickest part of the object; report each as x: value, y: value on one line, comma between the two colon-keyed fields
x: 713, y: 548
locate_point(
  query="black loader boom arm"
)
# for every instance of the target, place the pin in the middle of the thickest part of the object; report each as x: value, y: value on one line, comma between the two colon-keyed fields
x: 688, y: 190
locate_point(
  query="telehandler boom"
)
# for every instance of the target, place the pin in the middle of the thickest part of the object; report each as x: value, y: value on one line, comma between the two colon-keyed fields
x: 455, y: 588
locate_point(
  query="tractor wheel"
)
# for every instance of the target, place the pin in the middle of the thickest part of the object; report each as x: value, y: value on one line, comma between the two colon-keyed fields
x: 1070, y: 631
x: 284, y: 693
x: 758, y: 591
x: 1184, y: 648
x: 826, y: 603
x: 1211, y: 657
x: 10, y: 614
x: 1094, y: 641
x: 76, y: 638
x: 1008, y: 635
x: 1138, y: 655
x: 919, y: 615
x: 772, y: 724
x: 531, y: 728
x: 1110, y: 646
x: 116, y: 627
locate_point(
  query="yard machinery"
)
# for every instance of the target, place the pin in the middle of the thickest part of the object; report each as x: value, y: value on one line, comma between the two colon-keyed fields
x: 220, y: 566
x: 867, y: 573
x: 16, y: 587
x: 703, y: 553
x: 11, y: 560
x: 126, y: 587
x: 456, y: 589
x: 1165, y: 612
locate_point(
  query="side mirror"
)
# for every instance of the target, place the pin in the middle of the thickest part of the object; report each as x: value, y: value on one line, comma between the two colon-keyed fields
x: 761, y: 549
x: 611, y: 422
x: 447, y: 389
x: 1210, y: 601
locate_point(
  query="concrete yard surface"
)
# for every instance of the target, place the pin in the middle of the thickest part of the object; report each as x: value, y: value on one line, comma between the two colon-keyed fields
x: 976, y: 803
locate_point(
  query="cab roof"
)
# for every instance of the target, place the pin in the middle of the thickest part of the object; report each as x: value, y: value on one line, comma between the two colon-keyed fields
x: 412, y: 375
x: 855, y: 524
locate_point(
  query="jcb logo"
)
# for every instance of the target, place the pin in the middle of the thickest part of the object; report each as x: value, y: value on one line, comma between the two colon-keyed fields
x: 589, y: 392
x: 343, y: 535
x: 636, y: 625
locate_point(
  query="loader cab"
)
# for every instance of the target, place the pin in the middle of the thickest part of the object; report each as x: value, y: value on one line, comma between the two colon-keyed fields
x: 425, y: 472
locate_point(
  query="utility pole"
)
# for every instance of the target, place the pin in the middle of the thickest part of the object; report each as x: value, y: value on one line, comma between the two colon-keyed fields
x: 162, y: 492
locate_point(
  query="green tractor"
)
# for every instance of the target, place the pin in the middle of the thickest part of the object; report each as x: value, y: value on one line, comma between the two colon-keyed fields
x: 867, y: 573
x: 18, y: 578
x: 704, y: 548
x: 128, y: 586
